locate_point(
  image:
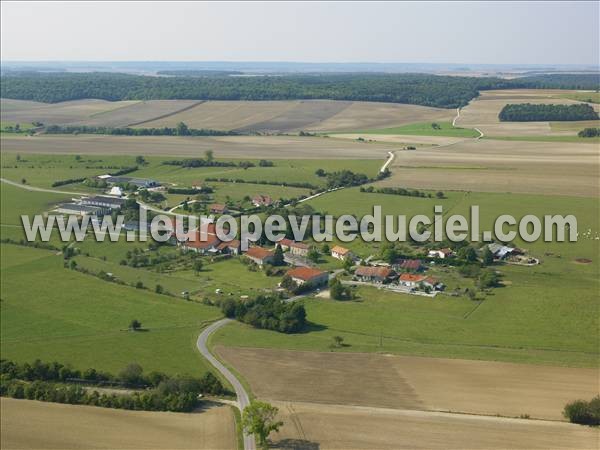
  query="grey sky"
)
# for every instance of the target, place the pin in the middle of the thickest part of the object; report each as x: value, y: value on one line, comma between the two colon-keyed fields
x: 469, y: 32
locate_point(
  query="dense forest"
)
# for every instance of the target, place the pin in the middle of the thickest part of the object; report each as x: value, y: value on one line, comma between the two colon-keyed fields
x: 418, y: 89
x: 528, y: 112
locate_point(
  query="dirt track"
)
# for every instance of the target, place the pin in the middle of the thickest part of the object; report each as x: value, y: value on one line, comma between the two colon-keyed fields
x: 311, y: 427
x: 30, y: 424
x: 404, y: 382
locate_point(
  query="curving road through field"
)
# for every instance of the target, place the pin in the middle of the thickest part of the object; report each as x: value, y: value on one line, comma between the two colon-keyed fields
x: 243, y: 399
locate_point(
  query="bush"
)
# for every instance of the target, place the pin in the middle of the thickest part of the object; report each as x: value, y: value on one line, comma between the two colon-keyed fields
x: 583, y: 412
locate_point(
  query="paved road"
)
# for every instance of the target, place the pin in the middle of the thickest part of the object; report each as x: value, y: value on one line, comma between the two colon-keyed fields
x: 391, y: 156
x: 243, y: 399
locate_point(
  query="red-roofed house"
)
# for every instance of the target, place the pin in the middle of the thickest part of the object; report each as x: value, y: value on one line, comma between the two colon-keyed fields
x: 341, y: 252
x: 308, y: 275
x: 262, y: 200
x: 410, y: 265
x: 374, y: 274
x: 295, y: 248
x: 218, y: 208
x: 232, y: 247
x: 441, y: 253
x: 260, y: 255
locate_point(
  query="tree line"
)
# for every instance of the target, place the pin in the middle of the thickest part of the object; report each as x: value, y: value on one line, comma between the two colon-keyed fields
x: 418, y: 89
x: 589, y: 132
x: 181, y: 130
x: 528, y: 112
x: 56, y: 382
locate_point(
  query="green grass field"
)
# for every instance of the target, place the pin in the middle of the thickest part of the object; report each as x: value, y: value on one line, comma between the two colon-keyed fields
x: 592, y: 97
x: 547, y: 314
x: 426, y: 129
x: 54, y: 313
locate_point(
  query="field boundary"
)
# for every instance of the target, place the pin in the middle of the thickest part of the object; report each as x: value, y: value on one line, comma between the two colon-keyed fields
x: 164, y: 116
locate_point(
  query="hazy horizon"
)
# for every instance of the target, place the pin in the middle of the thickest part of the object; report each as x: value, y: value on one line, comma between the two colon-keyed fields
x: 496, y: 33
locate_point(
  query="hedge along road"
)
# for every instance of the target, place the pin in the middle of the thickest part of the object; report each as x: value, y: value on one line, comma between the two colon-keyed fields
x: 243, y: 399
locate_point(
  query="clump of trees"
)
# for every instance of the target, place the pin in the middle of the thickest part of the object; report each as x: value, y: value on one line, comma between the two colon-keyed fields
x: 338, y: 291
x: 583, y: 412
x: 589, y: 132
x: 529, y: 112
x: 345, y: 178
x: 267, y: 311
x: 56, y: 382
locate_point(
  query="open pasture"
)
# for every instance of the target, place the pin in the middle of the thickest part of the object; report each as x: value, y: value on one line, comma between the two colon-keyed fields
x: 91, y: 112
x: 317, y: 426
x: 482, y: 113
x: 549, y: 168
x: 30, y: 424
x: 415, y: 383
x: 53, y: 313
x: 247, y: 147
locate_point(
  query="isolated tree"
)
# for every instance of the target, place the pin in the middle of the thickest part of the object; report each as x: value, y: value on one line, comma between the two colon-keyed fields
x: 140, y: 160
x: 313, y: 255
x: 198, y: 264
x: 336, y: 289
x: 348, y: 263
x: 259, y: 419
x: 77, y: 157
x: 209, y: 155
x: 158, y: 289
x: 320, y: 173
x: 23, y: 181
x: 435, y: 126
x: 487, y: 257
x: 278, y: 256
x: 338, y: 341
x: 288, y: 283
x: 439, y: 194
x: 73, y: 264
x: 18, y: 158
x: 135, y: 325
x: 468, y: 254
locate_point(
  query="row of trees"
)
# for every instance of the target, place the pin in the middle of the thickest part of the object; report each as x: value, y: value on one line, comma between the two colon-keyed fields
x: 529, y: 112
x: 419, y: 89
x: 56, y: 382
x: 181, y: 130
x: 267, y: 311
x: 402, y: 191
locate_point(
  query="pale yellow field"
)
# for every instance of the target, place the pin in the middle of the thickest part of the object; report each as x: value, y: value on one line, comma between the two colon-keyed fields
x: 282, y: 147
x: 90, y: 112
x: 501, y: 166
x: 483, y: 111
x: 402, y: 140
x: 315, y: 426
x: 296, y: 115
x: 373, y: 115
x: 415, y: 383
x: 28, y: 424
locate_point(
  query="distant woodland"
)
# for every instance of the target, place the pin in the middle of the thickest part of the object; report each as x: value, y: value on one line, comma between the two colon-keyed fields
x: 418, y: 89
x: 527, y: 112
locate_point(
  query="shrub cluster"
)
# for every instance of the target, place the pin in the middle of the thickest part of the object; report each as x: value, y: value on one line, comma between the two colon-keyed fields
x: 269, y: 183
x: 401, y: 191
x: 583, y: 412
x: 269, y: 312
x: 589, y: 132
x: 126, y: 131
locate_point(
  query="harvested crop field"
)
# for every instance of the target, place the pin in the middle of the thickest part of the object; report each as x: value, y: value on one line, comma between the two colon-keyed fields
x: 296, y: 115
x: 90, y: 112
x: 30, y: 424
x: 484, y: 165
x: 483, y: 112
x: 313, y: 426
x: 416, y: 383
x: 282, y: 147
x: 401, y: 140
